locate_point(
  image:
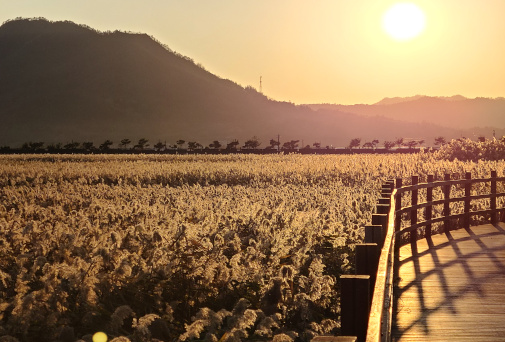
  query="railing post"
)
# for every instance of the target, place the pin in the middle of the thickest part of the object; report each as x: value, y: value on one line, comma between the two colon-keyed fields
x: 385, y: 201
x: 387, y: 189
x: 447, y: 208
x: 398, y: 205
x: 382, y: 208
x: 367, y: 259
x: 373, y: 234
x: 494, y: 219
x: 413, y: 212
x: 381, y: 220
x: 354, y: 305
x: 468, y: 191
x: 429, y: 208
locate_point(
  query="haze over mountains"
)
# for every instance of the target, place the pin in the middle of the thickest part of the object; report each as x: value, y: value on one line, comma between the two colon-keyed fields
x: 455, y: 111
x: 61, y: 82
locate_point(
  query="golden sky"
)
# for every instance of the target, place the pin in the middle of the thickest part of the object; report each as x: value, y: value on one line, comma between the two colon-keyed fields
x: 323, y: 51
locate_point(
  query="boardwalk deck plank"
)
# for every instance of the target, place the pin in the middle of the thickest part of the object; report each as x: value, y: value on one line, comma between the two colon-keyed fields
x: 452, y: 288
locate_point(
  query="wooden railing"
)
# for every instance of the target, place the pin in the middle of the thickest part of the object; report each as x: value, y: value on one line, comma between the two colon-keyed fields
x: 367, y: 297
x: 447, y: 218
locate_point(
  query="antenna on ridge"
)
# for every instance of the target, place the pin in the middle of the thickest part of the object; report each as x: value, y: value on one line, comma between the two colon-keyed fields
x: 261, y: 88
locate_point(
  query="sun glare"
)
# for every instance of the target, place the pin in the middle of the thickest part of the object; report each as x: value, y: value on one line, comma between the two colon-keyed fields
x: 403, y: 21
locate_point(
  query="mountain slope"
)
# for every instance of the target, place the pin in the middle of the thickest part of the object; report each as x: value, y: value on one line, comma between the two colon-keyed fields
x: 61, y: 82
x: 59, y: 75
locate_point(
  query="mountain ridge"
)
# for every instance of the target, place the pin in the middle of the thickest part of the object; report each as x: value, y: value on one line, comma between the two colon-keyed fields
x: 455, y: 111
x: 65, y: 82
x: 395, y: 100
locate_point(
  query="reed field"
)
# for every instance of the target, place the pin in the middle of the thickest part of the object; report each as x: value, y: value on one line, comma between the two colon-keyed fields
x: 189, y: 247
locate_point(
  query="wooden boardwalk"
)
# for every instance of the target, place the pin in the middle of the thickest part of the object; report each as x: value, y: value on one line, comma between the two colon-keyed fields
x: 452, y: 287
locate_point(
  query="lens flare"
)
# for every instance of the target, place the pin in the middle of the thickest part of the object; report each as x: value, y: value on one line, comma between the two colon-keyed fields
x: 100, y: 337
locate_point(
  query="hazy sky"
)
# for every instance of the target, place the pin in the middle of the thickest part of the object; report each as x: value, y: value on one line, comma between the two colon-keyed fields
x: 322, y: 51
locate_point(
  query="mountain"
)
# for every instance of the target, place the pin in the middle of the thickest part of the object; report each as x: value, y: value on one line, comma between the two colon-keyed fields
x: 456, y: 111
x: 395, y: 100
x: 63, y: 82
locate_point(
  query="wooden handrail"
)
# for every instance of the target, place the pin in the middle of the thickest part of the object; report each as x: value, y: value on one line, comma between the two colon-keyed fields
x: 381, y: 310
x: 435, y: 184
x: 451, y: 200
x: 447, y: 216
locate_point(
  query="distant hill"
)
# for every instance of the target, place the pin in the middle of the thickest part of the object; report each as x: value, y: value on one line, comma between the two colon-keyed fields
x: 63, y: 82
x: 455, y: 111
x: 395, y: 100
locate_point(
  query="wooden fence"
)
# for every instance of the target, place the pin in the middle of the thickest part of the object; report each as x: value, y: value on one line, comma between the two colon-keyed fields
x: 367, y: 297
x: 447, y: 217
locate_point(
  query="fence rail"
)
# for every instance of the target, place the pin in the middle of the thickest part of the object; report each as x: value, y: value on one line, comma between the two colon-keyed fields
x: 367, y: 297
x: 447, y: 217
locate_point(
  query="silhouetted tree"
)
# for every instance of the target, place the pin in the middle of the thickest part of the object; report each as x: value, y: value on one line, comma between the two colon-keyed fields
x: 411, y: 143
x: 232, y: 146
x: 215, y: 145
x: 399, y: 142
x: 33, y: 146
x: 421, y: 142
x: 159, y: 146
x: 180, y: 143
x: 54, y: 147
x: 141, y: 144
x: 274, y: 143
x: 371, y: 144
x: 439, y: 141
x: 317, y: 145
x: 105, y: 145
x: 481, y: 138
x: 72, y: 145
x: 88, y: 146
x: 389, y: 144
x: 354, y: 143
x: 252, y: 143
x: 290, y: 145
x: 39, y: 145
x: 125, y: 143
x: 193, y: 145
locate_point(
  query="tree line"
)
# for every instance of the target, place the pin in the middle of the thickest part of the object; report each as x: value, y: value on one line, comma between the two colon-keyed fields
x: 389, y: 144
x: 252, y: 144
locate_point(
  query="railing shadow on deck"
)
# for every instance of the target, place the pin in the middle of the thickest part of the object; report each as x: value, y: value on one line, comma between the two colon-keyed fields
x: 367, y: 298
x: 472, y: 286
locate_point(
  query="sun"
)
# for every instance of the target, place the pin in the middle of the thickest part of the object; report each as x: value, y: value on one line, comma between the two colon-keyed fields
x: 404, y: 21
